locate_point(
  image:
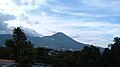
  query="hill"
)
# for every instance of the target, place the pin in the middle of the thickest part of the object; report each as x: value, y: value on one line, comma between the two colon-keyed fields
x: 56, y: 41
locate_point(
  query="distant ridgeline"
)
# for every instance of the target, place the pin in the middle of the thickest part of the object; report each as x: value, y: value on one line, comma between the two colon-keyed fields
x: 58, y: 41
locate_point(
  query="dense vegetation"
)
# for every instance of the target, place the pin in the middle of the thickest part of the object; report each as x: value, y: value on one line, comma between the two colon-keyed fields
x: 21, y: 50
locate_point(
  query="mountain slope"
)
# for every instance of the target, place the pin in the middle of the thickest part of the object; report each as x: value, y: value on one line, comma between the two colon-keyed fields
x: 3, y: 37
x: 61, y: 41
x: 56, y: 41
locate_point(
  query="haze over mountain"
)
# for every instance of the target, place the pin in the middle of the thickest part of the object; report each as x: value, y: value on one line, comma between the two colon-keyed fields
x: 56, y: 41
x: 89, y: 21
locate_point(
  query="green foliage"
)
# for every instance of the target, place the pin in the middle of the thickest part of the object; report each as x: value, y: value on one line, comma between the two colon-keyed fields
x: 115, y: 48
x: 64, y: 59
x: 26, y: 58
x: 108, y: 59
x: 42, y: 55
x: 90, y: 57
x: 20, y: 49
x: 4, y: 54
x: 10, y: 48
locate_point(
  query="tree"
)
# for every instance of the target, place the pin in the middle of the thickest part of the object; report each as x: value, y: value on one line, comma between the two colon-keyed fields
x: 115, y: 48
x: 20, y: 49
x: 90, y: 57
x: 42, y: 55
x: 4, y: 54
x: 107, y: 58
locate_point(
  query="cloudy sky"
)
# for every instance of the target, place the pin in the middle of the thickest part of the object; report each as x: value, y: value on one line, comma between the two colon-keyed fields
x: 94, y: 22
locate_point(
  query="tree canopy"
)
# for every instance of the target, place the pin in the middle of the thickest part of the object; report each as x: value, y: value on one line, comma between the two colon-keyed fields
x: 20, y: 49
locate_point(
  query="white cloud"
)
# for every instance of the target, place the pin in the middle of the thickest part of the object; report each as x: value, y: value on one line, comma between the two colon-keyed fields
x: 7, y: 6
x: 61, y: 17
x: 3, y: 26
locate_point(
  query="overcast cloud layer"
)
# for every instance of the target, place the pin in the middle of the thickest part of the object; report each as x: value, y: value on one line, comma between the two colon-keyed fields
x: 87, y: 21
